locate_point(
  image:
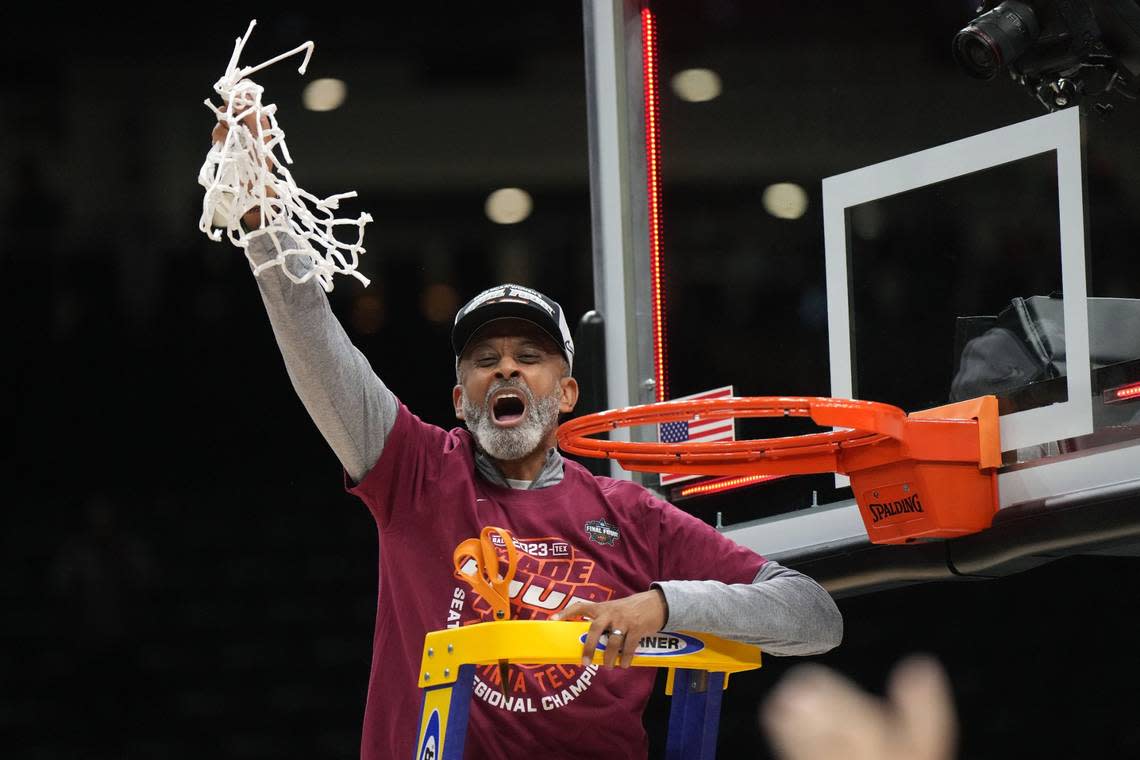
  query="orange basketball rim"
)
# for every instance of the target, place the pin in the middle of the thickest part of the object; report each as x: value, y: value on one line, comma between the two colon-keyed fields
x: 929, y: 474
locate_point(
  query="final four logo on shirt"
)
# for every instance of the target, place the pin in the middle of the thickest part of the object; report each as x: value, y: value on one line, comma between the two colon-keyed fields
x: 602, y: 532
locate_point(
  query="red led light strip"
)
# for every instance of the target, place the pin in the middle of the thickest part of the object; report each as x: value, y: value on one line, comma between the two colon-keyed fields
x: 653, y: 188
x: 1122, y: 393
x: 724, y: 484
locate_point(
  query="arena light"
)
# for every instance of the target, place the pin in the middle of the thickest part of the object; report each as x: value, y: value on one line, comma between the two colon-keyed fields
x: 696, y: 85
x: 508, y: 205
x: 439, y: 302
x: 324, y: 95
x: 718, y: 485
x: 785, y: 200
x: 653, y: 196
x: 1122, y: 393
x: 367, y: 313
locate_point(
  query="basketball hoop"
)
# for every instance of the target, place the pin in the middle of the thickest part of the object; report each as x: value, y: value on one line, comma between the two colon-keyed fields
x: 929, y: 474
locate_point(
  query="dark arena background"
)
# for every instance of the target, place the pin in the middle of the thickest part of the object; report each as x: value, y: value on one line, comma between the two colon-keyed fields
x: 182, y: 573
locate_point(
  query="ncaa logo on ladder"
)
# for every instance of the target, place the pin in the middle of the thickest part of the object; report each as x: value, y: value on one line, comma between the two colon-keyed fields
x: 429, y: 748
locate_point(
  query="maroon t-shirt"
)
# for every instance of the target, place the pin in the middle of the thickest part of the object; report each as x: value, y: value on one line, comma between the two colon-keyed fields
x: 587, y: 537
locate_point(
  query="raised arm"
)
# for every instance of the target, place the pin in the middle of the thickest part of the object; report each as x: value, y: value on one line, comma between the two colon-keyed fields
x: 351, y: 407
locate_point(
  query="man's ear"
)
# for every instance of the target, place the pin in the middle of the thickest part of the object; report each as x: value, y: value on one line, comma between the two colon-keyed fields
x: 569, y: 395
x: 457, y: 400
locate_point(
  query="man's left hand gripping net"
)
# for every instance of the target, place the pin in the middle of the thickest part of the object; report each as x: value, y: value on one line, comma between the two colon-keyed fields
x: 245, y: 172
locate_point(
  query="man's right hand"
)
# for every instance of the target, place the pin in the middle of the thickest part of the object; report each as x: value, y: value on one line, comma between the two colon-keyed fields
x: 252, y: 217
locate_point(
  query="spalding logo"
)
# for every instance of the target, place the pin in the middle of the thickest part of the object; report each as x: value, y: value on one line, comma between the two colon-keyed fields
x: 661, y: 644
x: 429, y: 750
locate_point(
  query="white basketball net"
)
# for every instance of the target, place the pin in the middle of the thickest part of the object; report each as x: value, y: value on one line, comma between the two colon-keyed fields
x: 245, y: 171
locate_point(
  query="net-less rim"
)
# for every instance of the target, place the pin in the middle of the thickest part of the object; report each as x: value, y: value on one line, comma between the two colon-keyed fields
x: 858, y: 423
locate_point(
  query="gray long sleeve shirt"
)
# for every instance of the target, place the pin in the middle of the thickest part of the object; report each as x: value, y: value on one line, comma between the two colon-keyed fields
x: 782, y: 611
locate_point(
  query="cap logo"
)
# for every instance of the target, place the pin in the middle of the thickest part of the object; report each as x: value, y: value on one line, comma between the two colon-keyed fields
x: 523, y: 295
x: 526, y: 294
x: 481, y: 298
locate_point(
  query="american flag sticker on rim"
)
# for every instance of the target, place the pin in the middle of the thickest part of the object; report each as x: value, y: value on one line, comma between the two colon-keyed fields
x: 703, y: 431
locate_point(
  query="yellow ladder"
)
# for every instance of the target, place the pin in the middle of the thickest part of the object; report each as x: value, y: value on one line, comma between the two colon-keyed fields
x: 699, y: 665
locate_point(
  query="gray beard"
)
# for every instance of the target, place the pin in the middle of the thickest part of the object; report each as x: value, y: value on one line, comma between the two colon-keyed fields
x: 513, y: 443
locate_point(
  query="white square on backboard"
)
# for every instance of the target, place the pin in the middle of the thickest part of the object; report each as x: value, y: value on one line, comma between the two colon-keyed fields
x: 1060, y: 132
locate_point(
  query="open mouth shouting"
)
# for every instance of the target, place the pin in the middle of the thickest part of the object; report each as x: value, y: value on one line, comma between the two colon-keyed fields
x: 511, y: 423
x: 508, y: 407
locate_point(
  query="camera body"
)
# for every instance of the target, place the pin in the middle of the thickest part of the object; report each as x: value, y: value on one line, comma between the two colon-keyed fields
x: 1060, y: 50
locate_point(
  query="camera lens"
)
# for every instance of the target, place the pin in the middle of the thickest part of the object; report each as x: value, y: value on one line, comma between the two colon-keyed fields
x: 995, y: 39
x: 977, y: 54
